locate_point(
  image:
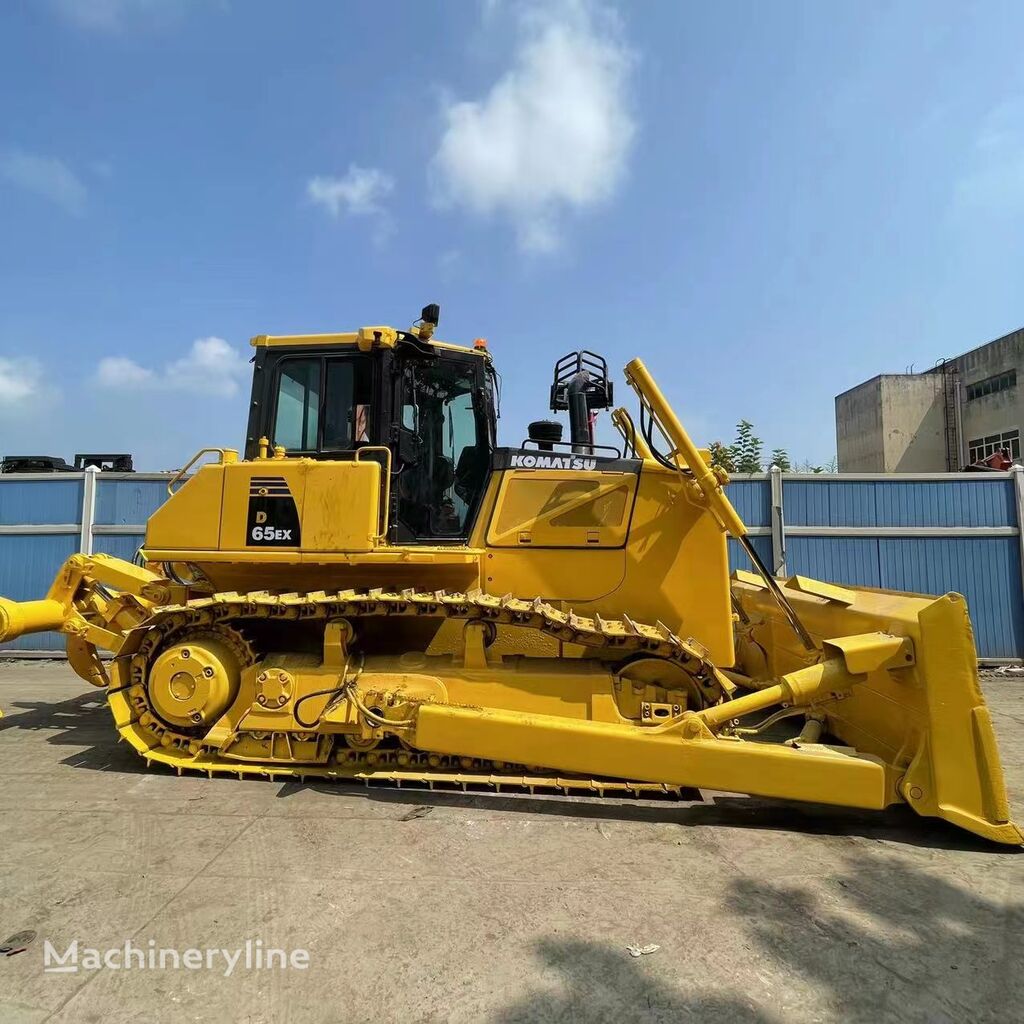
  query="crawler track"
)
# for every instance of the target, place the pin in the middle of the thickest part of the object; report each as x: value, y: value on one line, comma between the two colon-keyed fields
x: 228, y: 614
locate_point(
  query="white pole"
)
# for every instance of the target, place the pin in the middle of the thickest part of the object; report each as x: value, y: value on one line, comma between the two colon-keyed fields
x: 88, y: 509
x: 778, y: 523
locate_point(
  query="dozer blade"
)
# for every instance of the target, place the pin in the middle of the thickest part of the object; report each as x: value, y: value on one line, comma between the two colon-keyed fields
x: 927, y: 722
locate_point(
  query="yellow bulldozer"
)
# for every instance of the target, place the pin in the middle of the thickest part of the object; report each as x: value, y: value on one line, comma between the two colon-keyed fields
x: 378, y: 591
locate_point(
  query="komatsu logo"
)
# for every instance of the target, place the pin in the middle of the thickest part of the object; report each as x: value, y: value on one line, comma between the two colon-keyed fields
x: 552, y: 462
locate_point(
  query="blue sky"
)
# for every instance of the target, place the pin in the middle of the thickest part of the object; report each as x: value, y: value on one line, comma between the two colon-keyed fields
x: 768, y: 202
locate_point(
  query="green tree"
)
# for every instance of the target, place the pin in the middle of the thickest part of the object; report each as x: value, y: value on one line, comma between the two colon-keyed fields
x: 810, y: 467
x: 721, y: 457
x: 746, y: 450
x: 780, y: 458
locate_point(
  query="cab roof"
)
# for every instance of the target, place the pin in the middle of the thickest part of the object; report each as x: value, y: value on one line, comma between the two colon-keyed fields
x: 365, y: 339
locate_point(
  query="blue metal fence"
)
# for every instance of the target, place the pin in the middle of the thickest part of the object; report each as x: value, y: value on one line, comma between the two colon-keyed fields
x: 44, y: 519
x: 924, y: 534
x: 915, y: 533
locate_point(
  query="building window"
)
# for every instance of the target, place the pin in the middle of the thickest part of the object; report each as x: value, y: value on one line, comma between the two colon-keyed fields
x: 983, y: 447
x: 992, y: 385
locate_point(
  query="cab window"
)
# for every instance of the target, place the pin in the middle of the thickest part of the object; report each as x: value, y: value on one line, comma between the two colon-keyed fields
x: 323, y: 404
x: 298, y: 404
x: 347, y: 407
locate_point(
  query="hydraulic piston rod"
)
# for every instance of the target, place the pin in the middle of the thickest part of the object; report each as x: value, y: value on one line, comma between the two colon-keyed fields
x: 657, y: 405
x: 20, y: 617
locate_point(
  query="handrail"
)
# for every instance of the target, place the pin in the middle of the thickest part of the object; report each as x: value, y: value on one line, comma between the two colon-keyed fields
x: 226, y: 455
x: 386, y: 517
x: 592, y: 449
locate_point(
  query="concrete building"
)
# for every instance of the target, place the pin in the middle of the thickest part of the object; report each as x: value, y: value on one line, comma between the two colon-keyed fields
x: 956, y: 413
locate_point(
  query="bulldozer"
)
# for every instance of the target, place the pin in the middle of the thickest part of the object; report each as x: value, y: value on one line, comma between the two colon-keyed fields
x: 377, y: 591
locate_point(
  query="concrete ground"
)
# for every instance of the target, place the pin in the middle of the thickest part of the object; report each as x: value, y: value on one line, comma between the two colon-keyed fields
x: 419, y: 906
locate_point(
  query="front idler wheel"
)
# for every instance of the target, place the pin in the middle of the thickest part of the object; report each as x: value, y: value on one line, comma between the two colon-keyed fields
x: 194, y: 682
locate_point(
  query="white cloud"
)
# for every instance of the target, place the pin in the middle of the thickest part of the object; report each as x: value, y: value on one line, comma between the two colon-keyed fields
x: 211, y: 364
x: 211, y: 367
x: 46, y: 176
x: 21, y: 382
x: 116, y: 371
x: 359, y: 193
x: 118, y: 15
x: 994, y: 180
x: 553, y: 133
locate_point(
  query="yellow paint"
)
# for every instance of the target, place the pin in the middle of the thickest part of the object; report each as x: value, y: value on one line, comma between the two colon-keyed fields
x: 828, y: 591
x: 605, y: 661
x: 338, y: 503
x: 552, y: 509
x: 704, y: 476
x: 927, y: 720
x: 184, y: 522
x: 654, y: 754
x: 20, y: 617
x: 194, y: 683
x: 364, y: 339
x: 340, y: 506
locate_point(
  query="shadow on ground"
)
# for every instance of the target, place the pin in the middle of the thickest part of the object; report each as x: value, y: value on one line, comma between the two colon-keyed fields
x: 84, y: 722
x: 886, y: 940
x: 880, y: 940
x: 897, y: 824
x: 595, y: 983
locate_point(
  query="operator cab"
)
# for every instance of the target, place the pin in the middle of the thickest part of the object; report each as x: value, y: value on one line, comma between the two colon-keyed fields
x: 430, y: 404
